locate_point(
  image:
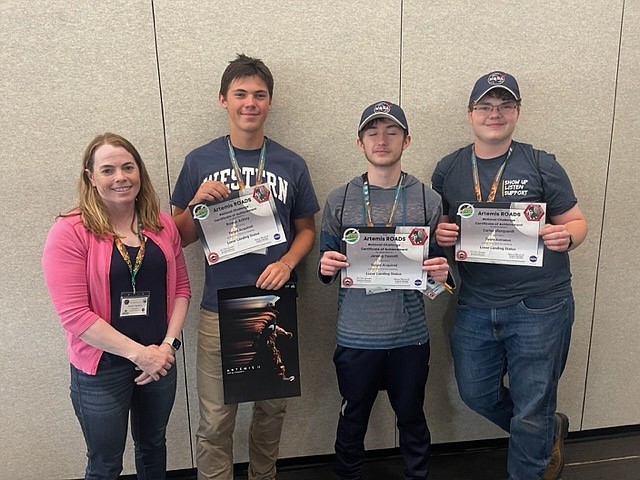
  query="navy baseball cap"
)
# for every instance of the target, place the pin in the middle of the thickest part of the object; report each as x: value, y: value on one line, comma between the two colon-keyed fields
x: 384, y: 110
x: 494, y: 80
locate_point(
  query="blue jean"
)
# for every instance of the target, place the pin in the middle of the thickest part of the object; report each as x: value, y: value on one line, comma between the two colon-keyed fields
x: 102, y: 403
x: 361, y: 374
x: 529, y: 341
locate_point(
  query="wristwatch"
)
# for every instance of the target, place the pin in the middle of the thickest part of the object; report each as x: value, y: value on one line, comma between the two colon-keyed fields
x: 174, y: 342
x: 570, y: 242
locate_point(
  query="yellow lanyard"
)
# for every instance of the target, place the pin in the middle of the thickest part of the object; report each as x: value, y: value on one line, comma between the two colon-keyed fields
x: 133, y: 269
x: 496, y: 180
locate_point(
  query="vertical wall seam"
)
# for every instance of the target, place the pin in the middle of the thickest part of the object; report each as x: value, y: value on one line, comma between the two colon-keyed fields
x: 602, y: 223
x: 162, y: 111
x: 166, y: 164
x: 400, y: 63
x: 396, y: 433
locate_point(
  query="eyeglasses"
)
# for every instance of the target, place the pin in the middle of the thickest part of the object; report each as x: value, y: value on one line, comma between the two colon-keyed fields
x: 503, y: 109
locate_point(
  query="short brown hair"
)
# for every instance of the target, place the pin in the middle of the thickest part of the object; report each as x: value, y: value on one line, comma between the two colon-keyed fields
x: 243, y: 66
x: 373, y: 123
x: 498, y: 94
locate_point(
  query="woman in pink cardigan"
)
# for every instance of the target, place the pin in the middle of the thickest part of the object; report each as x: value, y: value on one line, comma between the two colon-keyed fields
x: 118, y: 282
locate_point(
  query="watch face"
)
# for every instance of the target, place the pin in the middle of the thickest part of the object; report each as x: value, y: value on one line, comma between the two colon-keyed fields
x: 176, y: 344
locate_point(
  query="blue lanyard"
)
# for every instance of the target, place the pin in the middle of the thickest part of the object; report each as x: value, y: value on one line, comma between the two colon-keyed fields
x: 236, y: 167
x: 366, y: 198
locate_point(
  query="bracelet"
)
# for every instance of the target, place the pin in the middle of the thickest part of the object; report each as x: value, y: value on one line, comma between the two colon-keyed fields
x: 288, y: 266
x: 570, y: 243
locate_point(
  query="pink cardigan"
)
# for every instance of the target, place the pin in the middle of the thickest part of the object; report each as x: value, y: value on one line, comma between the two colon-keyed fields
x: 76, y: 267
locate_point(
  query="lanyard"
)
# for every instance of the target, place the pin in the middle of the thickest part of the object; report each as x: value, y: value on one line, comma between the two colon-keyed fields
x: 366, y: 197
x: 236, y: 167
x: 133, y: 269
x: 496, y: 181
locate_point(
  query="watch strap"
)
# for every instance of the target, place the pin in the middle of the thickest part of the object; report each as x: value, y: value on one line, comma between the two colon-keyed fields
x: 174, y: 342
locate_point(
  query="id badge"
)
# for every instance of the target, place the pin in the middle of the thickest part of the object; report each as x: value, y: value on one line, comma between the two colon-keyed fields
x: 134, y: 304
x: 433, y: 288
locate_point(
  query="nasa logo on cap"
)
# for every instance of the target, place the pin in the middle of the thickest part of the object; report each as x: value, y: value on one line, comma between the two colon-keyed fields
x: 382, y: 107
x: 496, y: 78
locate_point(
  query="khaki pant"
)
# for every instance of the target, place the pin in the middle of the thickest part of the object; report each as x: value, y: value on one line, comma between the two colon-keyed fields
x: 214, y: 450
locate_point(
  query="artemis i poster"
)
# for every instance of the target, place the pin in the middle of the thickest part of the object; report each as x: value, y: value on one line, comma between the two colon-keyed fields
x: 259, y: 343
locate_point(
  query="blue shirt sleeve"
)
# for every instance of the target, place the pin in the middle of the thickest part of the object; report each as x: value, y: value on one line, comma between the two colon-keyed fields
x: 185, y: 188
x: 306, y: 202
x: 558, y: 191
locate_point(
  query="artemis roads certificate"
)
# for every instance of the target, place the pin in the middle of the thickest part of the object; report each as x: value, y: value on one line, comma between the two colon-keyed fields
x: 245, y: 222
x: 503, y: 233
x: 388, y: 258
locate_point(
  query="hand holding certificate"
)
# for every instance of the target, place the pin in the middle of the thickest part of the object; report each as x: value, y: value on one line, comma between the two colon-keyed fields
x: 385, y: 258
x: 501, y: 233
x: 245, y: 222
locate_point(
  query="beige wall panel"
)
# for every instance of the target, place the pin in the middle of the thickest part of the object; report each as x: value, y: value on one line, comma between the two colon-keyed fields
x: 564, y: 56
x: 74, y: 69
x: 329, y: 60
x: 70, y: 70
x: 613, y: 388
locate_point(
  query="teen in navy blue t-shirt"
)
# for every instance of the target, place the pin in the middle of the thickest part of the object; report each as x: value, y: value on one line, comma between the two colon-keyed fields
x: 512, y: 319
x: 208, y: 174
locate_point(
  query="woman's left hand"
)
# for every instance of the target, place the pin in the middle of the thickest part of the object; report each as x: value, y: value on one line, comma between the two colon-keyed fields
x: 144, y: 378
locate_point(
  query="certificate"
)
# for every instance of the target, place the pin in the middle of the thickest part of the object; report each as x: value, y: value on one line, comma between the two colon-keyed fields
x: 501, y: 233
x: 385, y: 258
x: 245, y: 222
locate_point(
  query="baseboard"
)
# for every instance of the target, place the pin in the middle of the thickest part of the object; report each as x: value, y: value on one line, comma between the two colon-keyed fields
x: 450, y: 448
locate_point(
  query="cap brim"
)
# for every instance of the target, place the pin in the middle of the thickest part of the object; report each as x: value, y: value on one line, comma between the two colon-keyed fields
x: 493, y: 87
x: 380, y: 115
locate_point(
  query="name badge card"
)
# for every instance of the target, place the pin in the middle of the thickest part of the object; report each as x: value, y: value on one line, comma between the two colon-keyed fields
x: 385, y: 258
x: 501, y: 233
x: 245, y: 222
x: 133, y: 304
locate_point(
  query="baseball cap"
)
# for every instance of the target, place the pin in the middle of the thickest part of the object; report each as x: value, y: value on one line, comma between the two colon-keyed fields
x: 383, y: 110
x: 494, y: 80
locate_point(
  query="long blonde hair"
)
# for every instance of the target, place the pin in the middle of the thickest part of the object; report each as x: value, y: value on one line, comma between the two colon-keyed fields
x: 95, y: 215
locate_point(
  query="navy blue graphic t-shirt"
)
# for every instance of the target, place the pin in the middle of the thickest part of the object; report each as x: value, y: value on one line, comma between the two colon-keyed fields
x: 525, y: 179
x: 287, y: 176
